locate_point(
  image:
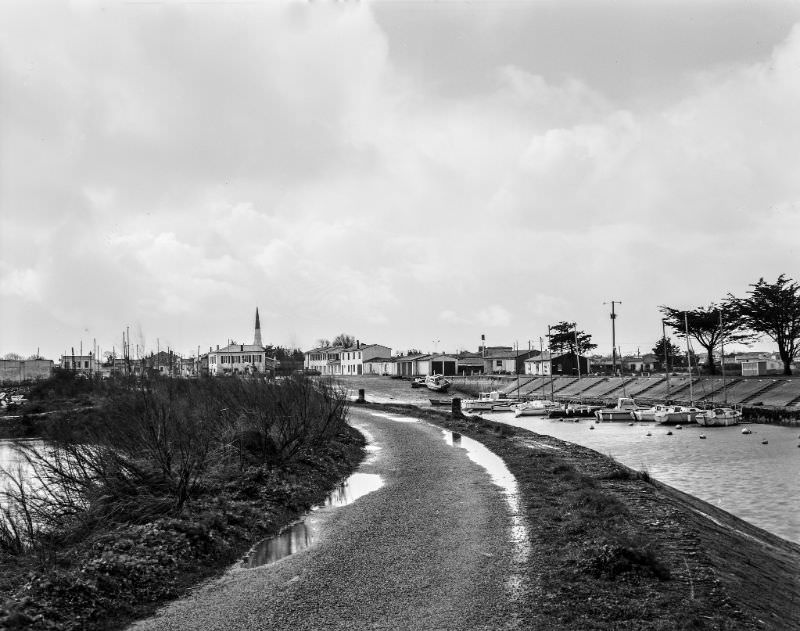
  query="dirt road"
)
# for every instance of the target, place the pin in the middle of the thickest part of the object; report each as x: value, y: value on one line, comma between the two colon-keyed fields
x: 431, y: 549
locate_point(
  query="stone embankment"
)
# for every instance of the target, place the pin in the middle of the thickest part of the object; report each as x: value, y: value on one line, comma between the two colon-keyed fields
x: 772, y: 399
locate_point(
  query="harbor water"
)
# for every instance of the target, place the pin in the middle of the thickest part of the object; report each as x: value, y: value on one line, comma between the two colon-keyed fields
x: 753, y: 476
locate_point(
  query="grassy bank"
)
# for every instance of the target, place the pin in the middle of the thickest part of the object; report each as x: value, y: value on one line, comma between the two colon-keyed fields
x: 615, y: 549
x: 159, y: 486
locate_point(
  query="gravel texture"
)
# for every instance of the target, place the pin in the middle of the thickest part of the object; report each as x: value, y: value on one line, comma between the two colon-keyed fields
x: 429, y: 550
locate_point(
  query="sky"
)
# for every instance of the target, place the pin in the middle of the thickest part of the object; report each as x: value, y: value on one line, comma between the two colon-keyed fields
x: 415, y: 174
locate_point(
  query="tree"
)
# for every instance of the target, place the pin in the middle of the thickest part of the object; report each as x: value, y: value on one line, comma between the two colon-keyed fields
x: 673, y: 352
x: 562, y: 339
x: 12, y: 356
x: 344, y: 339
x: 709, y: 326
x: 773, y: 309
x: 323, y: 342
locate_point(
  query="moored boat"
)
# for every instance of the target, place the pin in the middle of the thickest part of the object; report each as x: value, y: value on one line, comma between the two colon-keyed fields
x: 719, y: 417
x: 418, y: 382
x: 537, y: 407
x: 486, y: 402
x: 648, y: 414
x: 623, y: 411
x: 677, y: 414
x: 437, y: 383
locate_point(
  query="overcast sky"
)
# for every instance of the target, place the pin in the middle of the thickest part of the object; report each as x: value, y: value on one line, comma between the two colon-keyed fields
x: 415, y: 174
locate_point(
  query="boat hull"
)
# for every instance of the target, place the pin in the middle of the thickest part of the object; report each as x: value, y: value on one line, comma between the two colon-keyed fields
x: 614, y: 415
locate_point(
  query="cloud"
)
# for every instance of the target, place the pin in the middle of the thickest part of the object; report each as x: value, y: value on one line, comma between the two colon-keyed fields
x: 181, y: 164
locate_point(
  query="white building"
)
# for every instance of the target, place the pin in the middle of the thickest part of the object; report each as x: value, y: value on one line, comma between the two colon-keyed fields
x: 336, y: 360
x: 241, y: 359
x: 85, y: 364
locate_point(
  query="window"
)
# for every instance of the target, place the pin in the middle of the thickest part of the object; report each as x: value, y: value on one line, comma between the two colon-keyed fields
x: 499, y: 363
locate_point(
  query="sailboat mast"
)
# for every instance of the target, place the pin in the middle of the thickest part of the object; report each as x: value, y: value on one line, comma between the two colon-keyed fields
x: 578, y: 360
x: 666, y: 356
x: 541, y: 363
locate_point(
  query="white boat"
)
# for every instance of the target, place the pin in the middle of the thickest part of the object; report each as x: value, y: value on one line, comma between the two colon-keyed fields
x: 534, y: 408
x: 437, y: 383
x: 719, y: 417
x: 648, y: 414
x: 623, y: 411
x: 677, y: 414
x: 486, y: 401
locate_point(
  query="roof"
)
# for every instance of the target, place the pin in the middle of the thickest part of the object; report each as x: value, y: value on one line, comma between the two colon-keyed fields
x: 512, y: 354
x: 240, y: 348
x: 380, y: 359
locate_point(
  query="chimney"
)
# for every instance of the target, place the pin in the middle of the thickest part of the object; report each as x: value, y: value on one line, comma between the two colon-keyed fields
x: 358, y: 343
x: 241, y: 347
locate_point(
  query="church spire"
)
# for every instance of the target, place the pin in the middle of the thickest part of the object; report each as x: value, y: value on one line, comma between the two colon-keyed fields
x: 257, y: 338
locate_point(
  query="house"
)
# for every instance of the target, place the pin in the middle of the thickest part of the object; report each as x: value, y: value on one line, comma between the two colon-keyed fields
x: 380, y: 366
x: 338, y: 360
x: 757, y: 367
x: 324, y: 360
x: 83, y: 364
x: 506, y: 361
x: 241, y: 359
x: 353, y: 358
x: 549, y: 364
x: 407, y: 364
x: 644, y: 363
x: 470, y: 363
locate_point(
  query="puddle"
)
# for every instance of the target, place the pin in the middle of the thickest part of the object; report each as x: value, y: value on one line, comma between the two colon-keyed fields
x: 502, y: 477
x: 301, y: 535
x: 394, y: 417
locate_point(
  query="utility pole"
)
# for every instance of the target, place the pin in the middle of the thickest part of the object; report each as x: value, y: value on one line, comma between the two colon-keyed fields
x: 549, y: 340
x: 614, y: 335
x: 722, y: 358
x: 541, y: 364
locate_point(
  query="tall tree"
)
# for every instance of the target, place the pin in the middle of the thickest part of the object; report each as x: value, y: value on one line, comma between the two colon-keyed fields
x: 562, y: 339
x: 773, y: 309
x: 672, y: 354
x: 709, y: 326
x: 344, y: 339
x: 323, y: 342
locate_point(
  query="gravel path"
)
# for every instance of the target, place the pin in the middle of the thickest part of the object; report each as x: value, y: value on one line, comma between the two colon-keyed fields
x: 429, y: 550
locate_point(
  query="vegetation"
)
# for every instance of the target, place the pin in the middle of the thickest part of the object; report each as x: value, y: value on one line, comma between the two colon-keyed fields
x: 708, y: 326
x: 160, y: 478
x: 773, y: 309
x: 564, y: 337
x: 665, y: 347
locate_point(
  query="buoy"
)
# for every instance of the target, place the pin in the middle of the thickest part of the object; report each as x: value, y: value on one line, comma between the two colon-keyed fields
x: 746, y: 430
x: 630, y: 424
x: 669, y: 433
x: 648, y: 434
x: 703, y: 436
x: 678, y: 427
x: 765, y: 442
x: 591, y: 426
x: 577, y: 420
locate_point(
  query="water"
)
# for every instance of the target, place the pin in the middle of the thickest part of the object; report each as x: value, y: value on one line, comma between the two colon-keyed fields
x: 736, y: 472
x: 301, y: 535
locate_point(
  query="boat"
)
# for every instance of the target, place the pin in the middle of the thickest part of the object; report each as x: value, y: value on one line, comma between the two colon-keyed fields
x: 747, y: 430
x: 719, y: 417
x: 418, y: 382
x: 537, y: 407
x: 623, y: 411
x: 486, y: 402
x: 648, y: 414
x: 677, y: 414
x: 437, y: 383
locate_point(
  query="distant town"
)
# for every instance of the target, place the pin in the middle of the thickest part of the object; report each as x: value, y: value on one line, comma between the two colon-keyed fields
x: 346, y: 356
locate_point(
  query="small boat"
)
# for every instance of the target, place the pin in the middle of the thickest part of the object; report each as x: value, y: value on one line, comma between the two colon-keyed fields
x: 580, y: 410
x: 719, y: 417
x: 648, y: 414
x: 437, y: 383
x: 623, y: 411
x: 703, y: 436
x: 746, y: 430
x: 676, y: 414
x: 486, y: 401
x: 418, y: 382
x: 537, y: 407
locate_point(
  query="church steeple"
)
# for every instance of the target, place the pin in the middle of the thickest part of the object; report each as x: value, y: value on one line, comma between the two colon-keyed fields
x: 257, y: 338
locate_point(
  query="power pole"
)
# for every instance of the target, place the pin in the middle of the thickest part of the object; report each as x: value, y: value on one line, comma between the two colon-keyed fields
x: 614, y: 335
x: 666, y: 356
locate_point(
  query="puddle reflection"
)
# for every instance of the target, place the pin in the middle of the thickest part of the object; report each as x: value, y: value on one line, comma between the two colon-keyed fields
x: 301, y: 535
